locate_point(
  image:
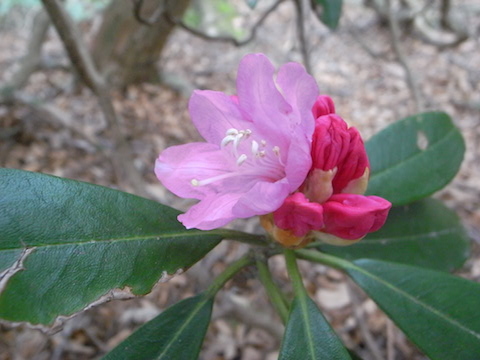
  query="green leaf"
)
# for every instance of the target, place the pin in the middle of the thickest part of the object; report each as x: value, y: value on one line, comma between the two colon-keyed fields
x: 328, y: 11
x: 65, y: 244
x: 252, y: 3
x: 309, y: 336
x: 177, y: 333
x: 437, y: 311
x: 426, y: 234
x: 414, y: 157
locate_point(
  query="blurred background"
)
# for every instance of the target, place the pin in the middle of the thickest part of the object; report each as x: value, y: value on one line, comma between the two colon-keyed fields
x: 103, y: 109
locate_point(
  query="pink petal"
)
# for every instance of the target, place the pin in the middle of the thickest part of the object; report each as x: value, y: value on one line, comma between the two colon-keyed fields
x: 213, y: 113
x: 259, y: 97
x: 299, y: 160
x: 212, y: 212
x: 177, y: 166
x: 300, y: 90
x: 263, y: 198
x: 323, y: 106
x: 299, y: 215
x: 351, y: 216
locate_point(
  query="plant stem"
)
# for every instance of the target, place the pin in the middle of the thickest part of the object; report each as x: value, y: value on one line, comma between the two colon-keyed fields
x: 228, y: 273
x: 314, y: 244
x: 294, y: 273
x: 241, y: 236
x: 324, y: 259
x: 274, y: 293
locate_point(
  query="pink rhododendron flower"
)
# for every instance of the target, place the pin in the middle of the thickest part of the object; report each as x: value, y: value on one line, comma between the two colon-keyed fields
x: 332, y: 207
x: 278, y: 150
x: 257, y: 149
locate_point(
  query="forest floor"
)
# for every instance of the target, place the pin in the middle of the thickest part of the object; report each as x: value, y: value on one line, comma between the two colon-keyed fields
x: 370, y: 92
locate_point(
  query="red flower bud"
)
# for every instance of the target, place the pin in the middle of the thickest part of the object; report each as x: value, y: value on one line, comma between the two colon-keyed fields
x: 323, y: 106
x: 335, y: 146
x: 353, y: 165
x: 299, y: 215
x: 351, y: 216
x: 330, y: 143
x: 329, y: 206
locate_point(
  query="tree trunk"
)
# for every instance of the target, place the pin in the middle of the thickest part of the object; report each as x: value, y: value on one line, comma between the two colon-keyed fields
x: 126, y: 50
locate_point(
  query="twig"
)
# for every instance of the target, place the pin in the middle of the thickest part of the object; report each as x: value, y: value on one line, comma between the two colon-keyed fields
x: 358, y: 314
x: 405, y: 14
x: 355, y: 34
x: 178, y: 22
x: 390, y: 340
x: 470, y: 105
x: 428, y: 35
x: 82, y: 61
x: 302, y: 38
x: 401, y: 57
x: 363, y: 44
x: 445, y: 6
x: 137, y: 12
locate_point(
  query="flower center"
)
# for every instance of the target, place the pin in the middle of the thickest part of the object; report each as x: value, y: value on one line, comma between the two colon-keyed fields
x: 255, y: 159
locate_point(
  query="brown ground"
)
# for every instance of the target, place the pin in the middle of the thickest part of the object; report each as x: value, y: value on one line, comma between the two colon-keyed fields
x: 369, y: 92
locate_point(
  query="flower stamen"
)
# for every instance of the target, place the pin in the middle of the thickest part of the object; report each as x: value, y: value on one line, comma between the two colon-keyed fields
x: 196, y: 182
x: 254, y: 148
x: 227, y: 140
x: 276, y: 151
x: 241, y: 159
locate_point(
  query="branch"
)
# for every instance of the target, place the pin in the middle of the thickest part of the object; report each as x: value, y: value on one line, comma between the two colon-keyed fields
x: 406, y: 14
x: 82, y: 61
x: 301, y: 16
x: 32, y: 58
x: 445, y: 6
x: 432, y: 37
x: 137, y: 12
x: 401, y: 57
x: 76, y: 49
x: 429, y: 35
x: 390, y: 340
x: 178, y: 22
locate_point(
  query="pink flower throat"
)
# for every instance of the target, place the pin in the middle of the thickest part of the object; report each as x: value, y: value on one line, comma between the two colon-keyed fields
x: 251, y: 158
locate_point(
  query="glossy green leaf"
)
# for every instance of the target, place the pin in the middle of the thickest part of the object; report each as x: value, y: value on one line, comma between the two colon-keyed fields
x: 65, y: 244
x: 425, y: 233
x: 175, y: 334
x: 328, y: 11
x: 414, y: 157
x: 308, y: 336
x: 437, y: 311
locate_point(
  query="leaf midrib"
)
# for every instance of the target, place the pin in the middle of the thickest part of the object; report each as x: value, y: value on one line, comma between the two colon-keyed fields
x: 386, y: 170
x: 304, y: 307
x: 367, y: 242
x: 189, y: 319
x: 132, y: 238
x: 416, y: 301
